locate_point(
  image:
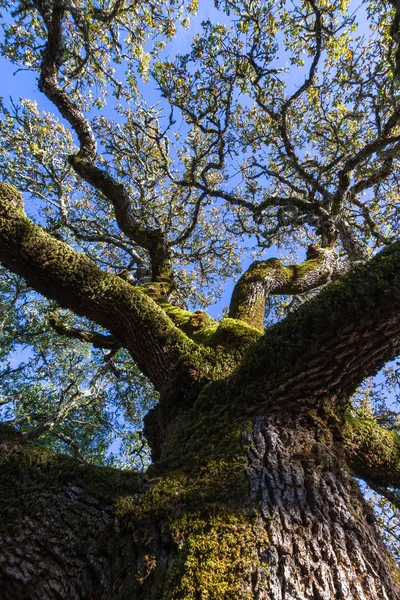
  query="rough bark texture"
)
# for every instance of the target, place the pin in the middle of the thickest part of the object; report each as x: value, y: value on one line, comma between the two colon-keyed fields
x: 56, y: 553
x: 60, y: 537
x: 323, y: 543
x: 292, y: 525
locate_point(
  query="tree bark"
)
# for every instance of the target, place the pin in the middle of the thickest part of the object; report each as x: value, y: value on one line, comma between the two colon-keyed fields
x: 323, y: 542
x: 272, y: 277
x: 270, y: 513
x: 59, y: 534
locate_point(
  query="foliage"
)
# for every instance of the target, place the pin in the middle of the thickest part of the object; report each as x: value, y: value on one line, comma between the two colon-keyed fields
x: 72, y: 397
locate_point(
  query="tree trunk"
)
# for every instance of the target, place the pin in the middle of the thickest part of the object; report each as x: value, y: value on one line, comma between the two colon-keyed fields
x: 322, y: 539
x: 235, y: 509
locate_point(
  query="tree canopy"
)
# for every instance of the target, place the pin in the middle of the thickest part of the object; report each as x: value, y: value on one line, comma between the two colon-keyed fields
x: 164, y: 153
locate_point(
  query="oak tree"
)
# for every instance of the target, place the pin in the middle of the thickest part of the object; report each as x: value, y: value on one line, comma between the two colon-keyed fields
x: 120, y: 222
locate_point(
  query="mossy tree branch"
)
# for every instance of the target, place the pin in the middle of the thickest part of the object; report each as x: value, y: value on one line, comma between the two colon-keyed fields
x: 326, y: 348
x: 58, y: 272
x: 343, y: 335
x: 37, y: 486
x: 156, y: 333
x: 272, y: 277
x: 373, y: 452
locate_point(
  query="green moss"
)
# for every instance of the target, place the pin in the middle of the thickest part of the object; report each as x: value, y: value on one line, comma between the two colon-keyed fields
x: 205, y: 331
x: 199, y: 500
x: 232, y: 335
x: 218, y: 554
x: 373, y: 452
x: 364, y: 296
x: 248, y: 298
x: 235, y: 335
x: 218, y: 353
x: 60, y: 273
x: 201, y: 506
x: 27, y: 470
x: 9, y: 194
x: 374, y: 449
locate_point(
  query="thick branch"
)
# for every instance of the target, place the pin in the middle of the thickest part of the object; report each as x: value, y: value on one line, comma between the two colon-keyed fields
x: 272, y: 277
x: 373, y: 453
x: 234, y: 337
x: 60, y: 273
x: 326, y: 348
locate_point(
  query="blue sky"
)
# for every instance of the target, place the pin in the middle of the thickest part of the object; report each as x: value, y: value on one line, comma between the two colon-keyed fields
x: 23, y: 84
x: 19, y: 83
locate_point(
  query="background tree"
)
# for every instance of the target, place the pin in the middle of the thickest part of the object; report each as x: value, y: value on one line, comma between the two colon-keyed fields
x: 278, y: 127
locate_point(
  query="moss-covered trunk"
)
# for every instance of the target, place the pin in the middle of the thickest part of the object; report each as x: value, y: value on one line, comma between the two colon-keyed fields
x: 264, y: 509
